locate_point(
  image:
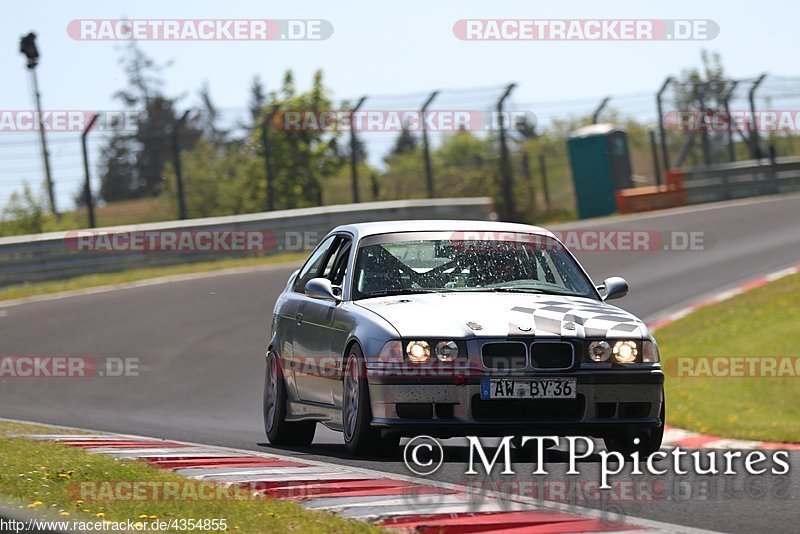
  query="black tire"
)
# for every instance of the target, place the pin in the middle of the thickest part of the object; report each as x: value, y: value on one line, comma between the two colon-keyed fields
x: 360, y: 438
x: 279, y: 431
x: 649, y: 439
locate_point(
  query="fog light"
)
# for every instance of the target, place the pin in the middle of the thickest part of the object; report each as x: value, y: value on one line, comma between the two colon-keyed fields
x: 446, y: 351
x: 418, y: 351
x: 625, y: 351
x: 599, y: 351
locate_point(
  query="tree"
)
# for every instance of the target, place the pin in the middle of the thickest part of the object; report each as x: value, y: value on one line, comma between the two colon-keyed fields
x: 209, y: 117
x: 219, y: 180
x: 405, y: 143
x: 301, y: 158
x: 133, y: 161
x: 258, y: 99
x: 23, y: 214
x: 465, y: 166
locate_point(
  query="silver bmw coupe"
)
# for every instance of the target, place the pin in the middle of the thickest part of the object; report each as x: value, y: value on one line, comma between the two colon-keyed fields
x: 454, y: 328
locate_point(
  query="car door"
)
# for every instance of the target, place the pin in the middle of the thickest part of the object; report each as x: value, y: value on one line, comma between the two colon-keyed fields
x: 291, y: 317
x: 313, y: 333
x: 342, y: 324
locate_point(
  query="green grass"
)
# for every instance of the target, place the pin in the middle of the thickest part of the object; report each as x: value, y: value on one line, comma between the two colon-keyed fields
x: 762, y: 322
x: 44, y: 476
x: 104, y: 279
x: 142, y: 210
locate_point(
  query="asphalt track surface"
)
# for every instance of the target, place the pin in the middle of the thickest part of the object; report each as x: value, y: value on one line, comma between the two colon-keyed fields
x: 202, y: 342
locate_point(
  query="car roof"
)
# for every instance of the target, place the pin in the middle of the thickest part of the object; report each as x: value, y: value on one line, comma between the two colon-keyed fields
x: 361, y: 230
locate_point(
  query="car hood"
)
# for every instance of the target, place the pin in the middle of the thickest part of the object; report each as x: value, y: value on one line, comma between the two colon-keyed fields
x: 459, y: 315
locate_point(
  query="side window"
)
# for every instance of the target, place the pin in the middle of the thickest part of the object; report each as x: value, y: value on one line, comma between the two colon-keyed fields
x: 330, y: 261
x: 313, y: 264
x: 339, y: 265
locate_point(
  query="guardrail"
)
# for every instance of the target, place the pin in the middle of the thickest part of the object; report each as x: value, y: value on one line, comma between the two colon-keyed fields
x: 741, y: 179
x: 48, y: 256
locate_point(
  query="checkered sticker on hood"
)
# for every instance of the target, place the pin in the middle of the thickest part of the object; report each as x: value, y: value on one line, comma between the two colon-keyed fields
x: 576, y: 319
x: 501, y: 315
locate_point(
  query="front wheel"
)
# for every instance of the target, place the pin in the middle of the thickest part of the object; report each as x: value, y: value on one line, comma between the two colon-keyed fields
x: 360, y: 438
x: 279, y: 431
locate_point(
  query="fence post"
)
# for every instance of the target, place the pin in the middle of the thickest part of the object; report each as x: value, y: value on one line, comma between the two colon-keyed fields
x: 545, y: 186
x: 701, y: 98
x: 525, y: 169
x: 505, y: 164
x: 265, y: 127
x: 87, y: 185
x: 654, y: 150
x: 599, y: 110
x: 662, y: 132
x: 727, y: 100
x: 353, y: 153
x: 425, y: 149
x: 176, y: 154
x: 755, y: 140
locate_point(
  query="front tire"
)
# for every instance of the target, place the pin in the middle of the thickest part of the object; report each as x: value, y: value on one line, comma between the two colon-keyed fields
x: 278, y: 430
x: 360, y: 438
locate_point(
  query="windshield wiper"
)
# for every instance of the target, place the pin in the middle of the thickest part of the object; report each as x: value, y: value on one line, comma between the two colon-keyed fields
x: 407, y: 291
x: 504, y: 289
x: 507, y: 289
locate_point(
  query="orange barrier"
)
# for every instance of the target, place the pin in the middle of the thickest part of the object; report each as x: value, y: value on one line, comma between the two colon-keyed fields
x: 653, y: 197
x: 675, y: 180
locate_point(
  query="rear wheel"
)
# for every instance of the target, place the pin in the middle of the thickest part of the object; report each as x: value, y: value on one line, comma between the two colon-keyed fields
x: 279, y: 431
x: 645, y: 442
x: 359, y: 437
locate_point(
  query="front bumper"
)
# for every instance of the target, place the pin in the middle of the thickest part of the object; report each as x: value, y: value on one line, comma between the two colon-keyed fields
x: 606, y: 402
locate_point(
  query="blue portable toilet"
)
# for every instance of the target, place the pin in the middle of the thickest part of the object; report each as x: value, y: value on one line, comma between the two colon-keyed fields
x: 601, y: 165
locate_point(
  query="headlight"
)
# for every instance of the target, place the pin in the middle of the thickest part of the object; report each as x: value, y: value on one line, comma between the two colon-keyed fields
x: 418, y: 351
x: 599, y: 351
x: 625, y: 351
x: 446, y: 351
x: 650, y: 352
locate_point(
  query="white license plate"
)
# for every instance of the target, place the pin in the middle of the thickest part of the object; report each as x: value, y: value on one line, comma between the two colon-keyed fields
x: 529, y: 388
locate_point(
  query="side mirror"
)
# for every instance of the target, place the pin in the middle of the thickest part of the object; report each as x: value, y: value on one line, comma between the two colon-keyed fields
x: 322, y: 288
x: 615, y: 288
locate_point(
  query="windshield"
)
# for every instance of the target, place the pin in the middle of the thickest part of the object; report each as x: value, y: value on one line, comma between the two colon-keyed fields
x: 394, y: 264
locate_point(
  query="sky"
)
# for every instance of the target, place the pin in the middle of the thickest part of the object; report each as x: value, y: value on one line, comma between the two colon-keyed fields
x: 377, y: 48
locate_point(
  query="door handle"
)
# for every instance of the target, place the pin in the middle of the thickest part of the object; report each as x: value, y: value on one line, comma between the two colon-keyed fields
x: 299, y: 319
